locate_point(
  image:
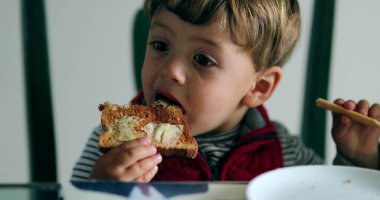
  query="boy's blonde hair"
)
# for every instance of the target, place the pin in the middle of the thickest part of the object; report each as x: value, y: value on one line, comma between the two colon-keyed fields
x: 268, y: 29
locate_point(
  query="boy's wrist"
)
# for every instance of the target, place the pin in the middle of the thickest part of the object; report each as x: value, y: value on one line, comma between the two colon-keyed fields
x: 368, y: 160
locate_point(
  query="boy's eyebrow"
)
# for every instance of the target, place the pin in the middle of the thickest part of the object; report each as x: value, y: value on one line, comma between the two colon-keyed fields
x: 198, y: 38
x: 207, y: 41
x: 161, y: 25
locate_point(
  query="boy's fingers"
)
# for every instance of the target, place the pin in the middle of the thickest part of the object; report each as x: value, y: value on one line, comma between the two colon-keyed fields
x: 341, y: 122
x: 129, y: 149
x: 362, y: 107
x: 338, y: 119
x: 136, y: 142
x: 360, y: 113
x: 350, y: 105
x: 127, y: 157
x: 148, y: 176
x: 374, y: 111
x: 339, y: 102
x: 141, y: 167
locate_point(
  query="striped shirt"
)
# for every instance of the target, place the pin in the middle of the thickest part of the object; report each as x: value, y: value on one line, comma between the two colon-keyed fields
x: 90, y: 155
x: 214, y: 146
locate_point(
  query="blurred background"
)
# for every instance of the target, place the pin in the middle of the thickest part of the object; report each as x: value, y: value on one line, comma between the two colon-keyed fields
x: 90, y: 58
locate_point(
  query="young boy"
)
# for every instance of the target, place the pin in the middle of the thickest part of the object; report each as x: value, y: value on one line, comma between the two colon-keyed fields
x: 220, y: 61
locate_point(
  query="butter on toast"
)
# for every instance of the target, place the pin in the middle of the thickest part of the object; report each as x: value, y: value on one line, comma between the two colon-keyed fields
x: 163, y: 123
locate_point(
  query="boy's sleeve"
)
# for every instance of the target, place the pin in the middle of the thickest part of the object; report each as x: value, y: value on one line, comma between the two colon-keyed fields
x: 294, y: 151
x: 342, y: 160
x: 89, y: 156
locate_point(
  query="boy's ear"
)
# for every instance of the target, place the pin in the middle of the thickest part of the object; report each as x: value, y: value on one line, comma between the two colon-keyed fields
x: 263, y: 87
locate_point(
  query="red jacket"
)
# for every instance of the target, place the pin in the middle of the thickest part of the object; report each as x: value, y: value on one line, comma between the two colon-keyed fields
x: 255, y: 153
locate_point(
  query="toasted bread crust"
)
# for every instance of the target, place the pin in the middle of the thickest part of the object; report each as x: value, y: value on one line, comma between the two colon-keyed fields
x: 112, y: 113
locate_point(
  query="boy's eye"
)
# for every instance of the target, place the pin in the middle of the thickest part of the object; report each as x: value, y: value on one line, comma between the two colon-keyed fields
x: 203, y: 60
x: 160, y: 46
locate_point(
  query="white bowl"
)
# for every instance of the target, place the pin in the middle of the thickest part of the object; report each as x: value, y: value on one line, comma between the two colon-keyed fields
x: 316, y: 182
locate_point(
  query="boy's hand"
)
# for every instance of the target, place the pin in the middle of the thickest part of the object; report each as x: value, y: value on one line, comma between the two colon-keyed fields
x: 358, y: 142
x: 135, y: 160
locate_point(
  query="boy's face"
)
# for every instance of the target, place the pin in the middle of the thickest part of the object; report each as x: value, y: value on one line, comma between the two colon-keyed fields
x: 200, y: 68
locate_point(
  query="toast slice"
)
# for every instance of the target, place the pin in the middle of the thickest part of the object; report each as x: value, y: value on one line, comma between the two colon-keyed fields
x: 163, y: 123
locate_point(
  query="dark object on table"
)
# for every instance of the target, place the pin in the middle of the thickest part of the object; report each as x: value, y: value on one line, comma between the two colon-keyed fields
x: 167, y: 189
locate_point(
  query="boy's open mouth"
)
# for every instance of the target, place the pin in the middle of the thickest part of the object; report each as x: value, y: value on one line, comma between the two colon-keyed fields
x: 168, y: 99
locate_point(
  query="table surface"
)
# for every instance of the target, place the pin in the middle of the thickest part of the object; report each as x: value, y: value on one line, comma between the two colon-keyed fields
x: 113, y: 190
x: 31, y: 191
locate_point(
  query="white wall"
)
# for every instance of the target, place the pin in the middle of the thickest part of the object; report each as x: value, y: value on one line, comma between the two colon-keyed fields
x: 91, y: 61
x: 13, y: 142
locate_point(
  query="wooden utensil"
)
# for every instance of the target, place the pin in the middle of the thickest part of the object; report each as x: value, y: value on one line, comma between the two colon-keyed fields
x: 352, y: 114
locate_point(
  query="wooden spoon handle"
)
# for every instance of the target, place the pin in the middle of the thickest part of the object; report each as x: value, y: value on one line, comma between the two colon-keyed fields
x: 352, y: 114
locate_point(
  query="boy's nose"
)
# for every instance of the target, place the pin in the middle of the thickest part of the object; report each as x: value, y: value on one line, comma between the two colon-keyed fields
x: 174, y: 70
